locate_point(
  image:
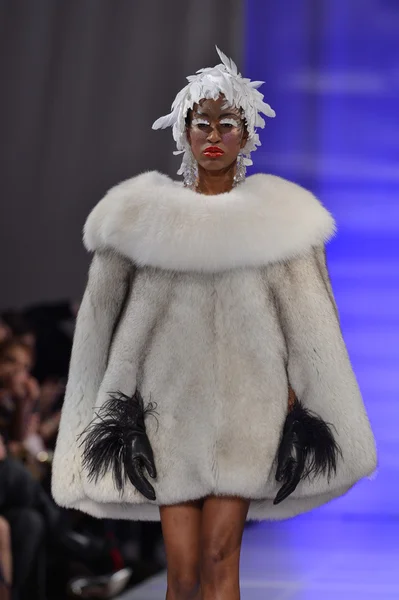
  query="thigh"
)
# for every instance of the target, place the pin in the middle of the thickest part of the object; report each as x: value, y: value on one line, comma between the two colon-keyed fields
x: 181, y: 528
x: 223, y: 521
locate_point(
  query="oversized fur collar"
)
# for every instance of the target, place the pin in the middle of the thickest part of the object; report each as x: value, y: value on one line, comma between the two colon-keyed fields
x: 155, y: 221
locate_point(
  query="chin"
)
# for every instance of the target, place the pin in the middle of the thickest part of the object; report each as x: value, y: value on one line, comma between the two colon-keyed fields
x: 215, y: 164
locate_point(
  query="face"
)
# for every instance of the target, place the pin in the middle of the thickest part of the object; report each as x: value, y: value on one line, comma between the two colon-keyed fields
x: 29, y: 339
x: 17, y: 358
x: 216, y: 134
x: 5, y: 332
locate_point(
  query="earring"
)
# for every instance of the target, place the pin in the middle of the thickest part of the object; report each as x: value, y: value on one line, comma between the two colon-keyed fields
x: 190, y: 170
x: 241, y: 170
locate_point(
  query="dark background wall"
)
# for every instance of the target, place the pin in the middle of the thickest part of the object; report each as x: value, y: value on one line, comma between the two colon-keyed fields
x: 81, y: 83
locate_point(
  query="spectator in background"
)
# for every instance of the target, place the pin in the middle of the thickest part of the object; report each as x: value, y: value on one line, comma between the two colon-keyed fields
x: 19, y: 391
x: 23, y: 512
x: 51, y: 395
x: 5, y: 546
x: 29, y: 419
x: 48, y: 328
x: 20, y: 420
x: 53, y: 325
x: 19, y: 327
x: 5, y: 331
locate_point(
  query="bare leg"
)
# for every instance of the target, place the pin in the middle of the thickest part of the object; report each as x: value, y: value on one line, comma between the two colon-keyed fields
x: 223, y: 520
x: 5, y: 551
x: 181, y: 528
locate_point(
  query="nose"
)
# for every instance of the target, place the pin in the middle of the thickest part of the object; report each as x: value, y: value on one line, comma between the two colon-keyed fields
x: 214, y: 135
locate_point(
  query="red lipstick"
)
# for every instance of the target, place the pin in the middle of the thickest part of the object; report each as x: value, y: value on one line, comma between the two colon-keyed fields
x: 213, y: 152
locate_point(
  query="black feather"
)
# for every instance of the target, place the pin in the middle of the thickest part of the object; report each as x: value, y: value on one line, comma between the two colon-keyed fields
x: 108, y: 439
x: 320, y: 447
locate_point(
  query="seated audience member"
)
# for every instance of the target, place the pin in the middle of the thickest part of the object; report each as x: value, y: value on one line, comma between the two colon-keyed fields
x: 19, y: 404
x: 51, y: 395
x: 53, y: 325
x: 19, y: 391
x: 5, y: 331
x: 19, y: 327
x: 23, y: 508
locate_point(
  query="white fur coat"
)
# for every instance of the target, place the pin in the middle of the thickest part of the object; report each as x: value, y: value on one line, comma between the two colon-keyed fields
x: 210, y: 306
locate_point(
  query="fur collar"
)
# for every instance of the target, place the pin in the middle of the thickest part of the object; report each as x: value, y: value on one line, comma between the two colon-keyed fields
x: 155, y: 221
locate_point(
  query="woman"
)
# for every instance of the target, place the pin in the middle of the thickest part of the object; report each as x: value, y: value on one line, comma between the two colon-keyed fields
x: 24, y: 512
x: 209, y: 381
x: 19, y: 391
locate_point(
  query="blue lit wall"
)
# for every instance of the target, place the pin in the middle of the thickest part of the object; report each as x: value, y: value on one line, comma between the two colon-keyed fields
x: 331, y: 69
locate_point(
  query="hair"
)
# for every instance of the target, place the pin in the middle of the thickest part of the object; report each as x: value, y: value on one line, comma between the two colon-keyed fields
x: 17, y: 322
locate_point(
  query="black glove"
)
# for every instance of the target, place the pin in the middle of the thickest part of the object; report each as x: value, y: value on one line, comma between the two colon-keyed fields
x: 118, y: 441
x: 307, y: 449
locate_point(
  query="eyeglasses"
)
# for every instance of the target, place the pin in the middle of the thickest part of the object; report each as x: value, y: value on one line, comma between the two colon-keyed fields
x: 223, y: 124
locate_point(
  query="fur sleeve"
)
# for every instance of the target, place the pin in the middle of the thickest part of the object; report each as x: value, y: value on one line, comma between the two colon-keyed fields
x: 318, y: 365
x: 101, y: 306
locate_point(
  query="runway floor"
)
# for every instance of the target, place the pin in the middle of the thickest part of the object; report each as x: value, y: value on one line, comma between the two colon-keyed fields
x: 312, y: 558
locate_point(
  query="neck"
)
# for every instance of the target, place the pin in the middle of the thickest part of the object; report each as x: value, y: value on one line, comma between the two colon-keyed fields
x: 215, y: 182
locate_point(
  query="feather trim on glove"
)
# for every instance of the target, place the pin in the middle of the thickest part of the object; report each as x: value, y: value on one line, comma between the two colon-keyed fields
x: 307, y: 450
x: 118, y: 441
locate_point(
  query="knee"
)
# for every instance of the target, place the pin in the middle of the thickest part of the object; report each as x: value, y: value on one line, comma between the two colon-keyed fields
x: 215, y: 559
x: 5, y: 534
x: 183, y: 586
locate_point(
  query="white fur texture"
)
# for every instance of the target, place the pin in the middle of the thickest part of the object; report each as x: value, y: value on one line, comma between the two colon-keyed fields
x: 157, y: 222
x: 216, y: 350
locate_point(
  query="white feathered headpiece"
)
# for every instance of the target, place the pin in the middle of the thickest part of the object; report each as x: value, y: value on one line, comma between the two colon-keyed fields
x: 209, y: 83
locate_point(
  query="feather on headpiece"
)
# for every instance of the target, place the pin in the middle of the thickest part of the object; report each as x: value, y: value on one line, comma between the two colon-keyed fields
x: 209, y: 83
